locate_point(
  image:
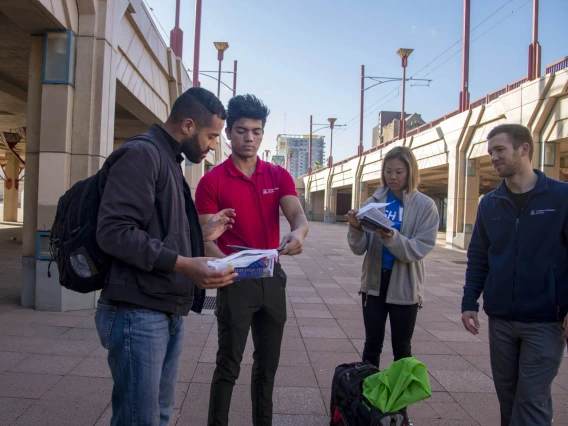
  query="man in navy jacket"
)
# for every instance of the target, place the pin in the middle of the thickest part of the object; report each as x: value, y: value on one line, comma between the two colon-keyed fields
x: 518, y: 258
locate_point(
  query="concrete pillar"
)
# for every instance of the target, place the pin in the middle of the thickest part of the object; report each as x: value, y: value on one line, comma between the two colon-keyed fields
x: 455, y: 211
x: 173, y: 76
x: 54, y: 180
x: 467, y: 206
x: 471, y: 195
x: 330, y: 204
x: 94, y: 102
x: 363, y: 194
x: 309, y: 205
x: 76, y: 137
x: 457, y: 195
x: 33, y: 129
x: 12, y: 170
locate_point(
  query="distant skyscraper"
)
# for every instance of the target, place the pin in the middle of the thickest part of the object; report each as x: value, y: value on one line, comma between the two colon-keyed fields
x: 297, y: 163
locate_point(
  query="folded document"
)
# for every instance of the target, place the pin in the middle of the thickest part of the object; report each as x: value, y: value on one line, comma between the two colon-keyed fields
x: 248, y: 263
x: 372, y: 218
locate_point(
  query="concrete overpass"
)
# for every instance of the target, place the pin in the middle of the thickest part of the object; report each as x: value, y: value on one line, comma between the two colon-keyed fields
x: 455, y: 169
x: 120, y: 77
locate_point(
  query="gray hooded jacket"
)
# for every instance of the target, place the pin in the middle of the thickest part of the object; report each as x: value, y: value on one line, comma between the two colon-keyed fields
x: 417, y: 237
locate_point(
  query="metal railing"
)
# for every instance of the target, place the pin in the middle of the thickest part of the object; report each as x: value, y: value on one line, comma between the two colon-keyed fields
x: 516, y: 84
x: 557, y: 66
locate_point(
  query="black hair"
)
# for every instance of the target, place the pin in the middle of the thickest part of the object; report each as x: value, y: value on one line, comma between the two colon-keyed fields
x: 518, y: 134
x: 246, y: 106
x: 198, y: 104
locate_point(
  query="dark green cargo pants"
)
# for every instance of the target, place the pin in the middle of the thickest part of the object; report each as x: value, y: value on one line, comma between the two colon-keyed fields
x: 260, y: 305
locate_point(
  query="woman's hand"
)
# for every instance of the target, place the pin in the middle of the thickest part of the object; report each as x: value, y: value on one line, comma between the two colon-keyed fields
x: 384, y: 234
x: 352, y: 220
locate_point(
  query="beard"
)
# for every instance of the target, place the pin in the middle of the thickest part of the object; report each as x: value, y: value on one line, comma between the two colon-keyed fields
x: 192, y: 150
x: 511, y: 167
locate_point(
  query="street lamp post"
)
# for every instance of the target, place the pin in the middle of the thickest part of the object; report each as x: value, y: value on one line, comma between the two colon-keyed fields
x: 221, y: 47
x: 176, y: 35
x: 404, y: 54
x: 235, y: 79
x: 362, y: 111
x: 310, y: 148
x: 198, y: 4
x: 331, y: 125
x: 219, y: 81
x: 381, y: 80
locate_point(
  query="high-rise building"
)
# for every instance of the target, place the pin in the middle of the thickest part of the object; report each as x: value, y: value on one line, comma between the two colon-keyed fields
x: 294, y: 150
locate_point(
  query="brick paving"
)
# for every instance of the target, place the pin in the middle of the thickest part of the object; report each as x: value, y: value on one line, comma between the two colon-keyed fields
x: 54, y: 372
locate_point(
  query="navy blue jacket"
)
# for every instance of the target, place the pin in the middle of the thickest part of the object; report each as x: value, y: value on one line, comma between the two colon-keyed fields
x: 520, y: 261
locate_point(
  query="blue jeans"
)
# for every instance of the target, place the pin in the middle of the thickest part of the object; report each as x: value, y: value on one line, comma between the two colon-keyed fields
x: 144, y: 347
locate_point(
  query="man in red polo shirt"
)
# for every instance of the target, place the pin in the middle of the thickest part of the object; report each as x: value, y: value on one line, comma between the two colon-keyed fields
x: 256, y: 190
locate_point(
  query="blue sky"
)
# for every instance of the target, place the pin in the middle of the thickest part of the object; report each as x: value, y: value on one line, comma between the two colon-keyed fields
x: 303, y: 57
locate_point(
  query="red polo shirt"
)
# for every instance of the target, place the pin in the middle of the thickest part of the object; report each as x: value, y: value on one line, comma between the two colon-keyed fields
x: 256, y: 201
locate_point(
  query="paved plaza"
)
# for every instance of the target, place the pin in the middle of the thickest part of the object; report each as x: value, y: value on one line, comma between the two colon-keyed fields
x: 53, y: 370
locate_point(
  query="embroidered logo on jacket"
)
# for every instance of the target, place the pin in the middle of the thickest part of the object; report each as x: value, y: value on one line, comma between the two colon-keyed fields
x: 543, y: 211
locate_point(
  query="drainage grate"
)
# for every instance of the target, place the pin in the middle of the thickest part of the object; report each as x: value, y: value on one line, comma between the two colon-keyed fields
x: 210, y: 302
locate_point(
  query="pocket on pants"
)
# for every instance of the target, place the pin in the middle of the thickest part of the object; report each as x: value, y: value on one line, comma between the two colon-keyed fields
x: 280, y: 275
x: 104, y: 317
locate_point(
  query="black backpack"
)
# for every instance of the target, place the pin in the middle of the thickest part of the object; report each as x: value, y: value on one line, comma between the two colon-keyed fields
x: 349, y: 407
x: 82, y: 265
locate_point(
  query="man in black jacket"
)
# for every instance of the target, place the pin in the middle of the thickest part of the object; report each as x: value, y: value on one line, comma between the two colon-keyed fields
x: 518, y: 258
x: 147, y: 221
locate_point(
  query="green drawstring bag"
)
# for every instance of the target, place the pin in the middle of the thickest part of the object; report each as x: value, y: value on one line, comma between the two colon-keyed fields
x: 403, y: 383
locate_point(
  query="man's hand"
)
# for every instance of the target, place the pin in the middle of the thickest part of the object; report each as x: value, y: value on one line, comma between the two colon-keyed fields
x: 291, y: 244
x: 218, y: 224
x: 467, y: 318
x: 352, y: 220
x: 202, y: 275
x: 565, y: 327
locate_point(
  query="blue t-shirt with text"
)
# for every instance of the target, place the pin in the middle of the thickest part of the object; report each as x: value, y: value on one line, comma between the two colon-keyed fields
x: 393, y: 212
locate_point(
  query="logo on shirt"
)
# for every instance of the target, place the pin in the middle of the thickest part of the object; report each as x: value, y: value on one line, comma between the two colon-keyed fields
x: 543, y: 211
x: 391, y: 215
x: 394, y: 215
x: 270, y: 191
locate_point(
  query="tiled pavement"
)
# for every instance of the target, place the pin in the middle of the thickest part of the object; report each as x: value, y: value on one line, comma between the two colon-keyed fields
x: 54, y: 372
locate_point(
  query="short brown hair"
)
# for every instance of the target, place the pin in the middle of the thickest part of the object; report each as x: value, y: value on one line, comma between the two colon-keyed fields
x: 405, y: 155
x: 518, y: 134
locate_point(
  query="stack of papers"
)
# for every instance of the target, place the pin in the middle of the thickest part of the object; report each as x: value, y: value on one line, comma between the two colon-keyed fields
x: 372, y: 218
x: 248, y: 263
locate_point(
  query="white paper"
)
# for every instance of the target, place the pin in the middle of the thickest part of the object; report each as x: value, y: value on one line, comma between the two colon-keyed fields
x: 244, y: 258
x: 371, y: 211
x: 368, y: 207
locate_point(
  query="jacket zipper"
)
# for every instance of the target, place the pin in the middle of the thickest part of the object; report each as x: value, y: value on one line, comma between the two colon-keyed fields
x: 516, y: 256
x: 519, y: 213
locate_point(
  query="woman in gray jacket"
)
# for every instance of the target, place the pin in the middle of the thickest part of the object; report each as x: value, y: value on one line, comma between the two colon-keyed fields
x: 393, y: 269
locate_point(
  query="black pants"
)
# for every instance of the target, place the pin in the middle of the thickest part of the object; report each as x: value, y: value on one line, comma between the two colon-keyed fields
x: 402, y: 321
x: 260, y: 305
